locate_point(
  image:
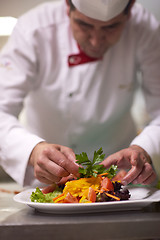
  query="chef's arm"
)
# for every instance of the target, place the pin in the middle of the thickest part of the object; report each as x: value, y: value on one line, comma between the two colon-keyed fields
x: 148, y: 59
x: 18, y: 71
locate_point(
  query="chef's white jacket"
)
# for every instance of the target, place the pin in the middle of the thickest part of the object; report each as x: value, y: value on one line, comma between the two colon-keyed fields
x: 84, y: 107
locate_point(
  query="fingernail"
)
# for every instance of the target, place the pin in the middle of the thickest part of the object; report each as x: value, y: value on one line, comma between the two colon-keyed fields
x: 124, y: 183
x: 72, y: 158
x: 134, y: 162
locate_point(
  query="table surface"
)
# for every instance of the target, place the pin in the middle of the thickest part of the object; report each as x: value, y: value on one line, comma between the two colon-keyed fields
x: 18, y: 221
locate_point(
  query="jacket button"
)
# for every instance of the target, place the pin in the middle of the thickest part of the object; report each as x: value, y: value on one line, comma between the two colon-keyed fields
x: 71, y: 60
x: 71, y: 94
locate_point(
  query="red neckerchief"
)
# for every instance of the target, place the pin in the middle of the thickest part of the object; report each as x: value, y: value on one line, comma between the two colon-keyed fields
x: 80, y: 58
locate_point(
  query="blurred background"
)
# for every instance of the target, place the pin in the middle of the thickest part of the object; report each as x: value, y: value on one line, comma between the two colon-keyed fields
x: 15, y: 8
x: 11, y: 10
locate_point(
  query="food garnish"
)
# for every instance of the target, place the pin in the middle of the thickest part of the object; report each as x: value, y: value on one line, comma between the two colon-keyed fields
x: 94, y: 185
x: 93, y: 168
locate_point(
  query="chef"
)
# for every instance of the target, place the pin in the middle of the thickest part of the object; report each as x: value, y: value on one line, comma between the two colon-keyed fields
x: 72, y: 66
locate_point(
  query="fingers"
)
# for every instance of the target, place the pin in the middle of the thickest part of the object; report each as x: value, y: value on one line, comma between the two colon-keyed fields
x: 109, y: 161
x: 68, y: 152
x: 140, y: 174
x: 136, y: 169
x: 48, y: 172
x: 137, y: 160
x: 64, y: 157
x: 141, y: 171
x: 146, y: 176
x: 150, y: 179
x: 65, y: 179
x: 53, y: 162
x: 121, y: 159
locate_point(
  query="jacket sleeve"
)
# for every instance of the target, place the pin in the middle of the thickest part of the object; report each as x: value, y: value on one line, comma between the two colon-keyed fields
x: 18, y: 76
x: 148, y: 55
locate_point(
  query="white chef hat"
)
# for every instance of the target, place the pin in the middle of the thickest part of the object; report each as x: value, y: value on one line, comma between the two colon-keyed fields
x: 103, y: 10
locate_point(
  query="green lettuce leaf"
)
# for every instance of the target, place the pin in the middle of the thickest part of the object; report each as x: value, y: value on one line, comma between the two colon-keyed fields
x: 39, y: 197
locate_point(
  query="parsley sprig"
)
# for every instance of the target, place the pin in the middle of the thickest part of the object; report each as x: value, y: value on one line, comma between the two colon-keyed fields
x: 93, y: 168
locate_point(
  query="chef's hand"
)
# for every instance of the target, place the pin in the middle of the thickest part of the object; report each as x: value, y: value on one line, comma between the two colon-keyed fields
x: 52, y: 162
x: 137, y: 160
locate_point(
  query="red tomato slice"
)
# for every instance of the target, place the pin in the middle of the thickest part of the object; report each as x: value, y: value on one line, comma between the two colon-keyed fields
x: 91, y: 195
x: 70, y: 199
x: 49, y: 188
x: 107, y: 184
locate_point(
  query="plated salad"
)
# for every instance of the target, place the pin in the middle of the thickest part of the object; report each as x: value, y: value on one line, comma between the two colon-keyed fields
x: 96, y: 184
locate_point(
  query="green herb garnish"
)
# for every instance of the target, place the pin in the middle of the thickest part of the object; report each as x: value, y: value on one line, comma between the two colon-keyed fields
x: 112, y: 171
x: 93, y: 168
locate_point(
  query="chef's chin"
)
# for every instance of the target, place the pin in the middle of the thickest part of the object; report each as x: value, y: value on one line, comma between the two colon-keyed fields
x: 96, y: 53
